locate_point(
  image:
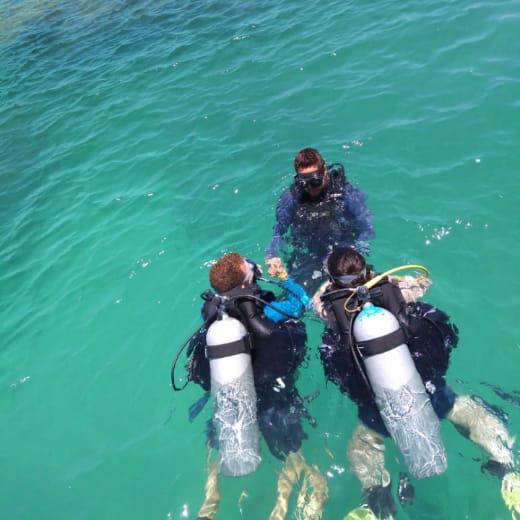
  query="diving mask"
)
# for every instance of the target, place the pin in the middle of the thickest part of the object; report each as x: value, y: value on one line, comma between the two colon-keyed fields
x: 312, y: 179
x: 253, y: 270
x: 347, y: 279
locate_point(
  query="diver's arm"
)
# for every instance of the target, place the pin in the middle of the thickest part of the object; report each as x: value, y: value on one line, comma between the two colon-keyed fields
x: 284, y: 216
x: 293, y: 304
x: 256, y: 322
x: 392, y: 297
x: 318, y: 306
x: 360, y: 216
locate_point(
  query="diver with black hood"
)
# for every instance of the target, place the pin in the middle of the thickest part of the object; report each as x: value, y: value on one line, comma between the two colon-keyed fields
x: 247, y: 354
x: 389, y: 353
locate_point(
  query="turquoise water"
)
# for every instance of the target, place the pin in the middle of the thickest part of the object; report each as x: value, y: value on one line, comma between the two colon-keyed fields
x: 141, y: 140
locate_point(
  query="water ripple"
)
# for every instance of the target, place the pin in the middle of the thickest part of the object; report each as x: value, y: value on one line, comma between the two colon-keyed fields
x: 140, y: 141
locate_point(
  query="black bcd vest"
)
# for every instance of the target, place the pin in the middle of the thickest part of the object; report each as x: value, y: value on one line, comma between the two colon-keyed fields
x: 429, y: 335
x: 278, y: 348
x: 321, y: 223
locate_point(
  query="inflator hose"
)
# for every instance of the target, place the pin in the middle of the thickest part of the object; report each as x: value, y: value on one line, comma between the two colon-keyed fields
x: 179, y: 352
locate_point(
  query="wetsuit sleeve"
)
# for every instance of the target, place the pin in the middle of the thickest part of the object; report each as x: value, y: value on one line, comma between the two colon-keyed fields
x: 393, y: 298
x: 284, y: 215
x: 257, y: 323
x: 294, y: 304
x: 361, y: 218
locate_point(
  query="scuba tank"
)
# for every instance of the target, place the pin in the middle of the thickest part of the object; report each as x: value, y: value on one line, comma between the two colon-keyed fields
x: 220, y: 360
x: 399, y: 391
x: 228, y: 349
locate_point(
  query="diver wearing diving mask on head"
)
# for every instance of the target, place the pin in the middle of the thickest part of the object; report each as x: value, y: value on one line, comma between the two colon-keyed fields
x: 247, y: 353
x: 389, y: 354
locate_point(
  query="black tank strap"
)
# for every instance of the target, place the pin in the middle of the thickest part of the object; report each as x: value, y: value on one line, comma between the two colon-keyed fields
x: 241, y: 346
x: 385, y: 343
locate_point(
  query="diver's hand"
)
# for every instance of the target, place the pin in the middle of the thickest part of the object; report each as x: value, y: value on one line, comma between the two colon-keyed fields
x: 275, y: 267
x: 412, y: 287
x: 318, y: 306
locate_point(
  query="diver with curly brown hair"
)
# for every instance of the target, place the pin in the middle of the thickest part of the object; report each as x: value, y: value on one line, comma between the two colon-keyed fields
x: 247, y: 354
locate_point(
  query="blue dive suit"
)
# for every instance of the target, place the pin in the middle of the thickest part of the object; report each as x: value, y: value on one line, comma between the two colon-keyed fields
x: 312, y: 227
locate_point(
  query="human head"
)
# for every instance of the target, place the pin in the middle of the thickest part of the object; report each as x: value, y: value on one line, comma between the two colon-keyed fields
x: 308, y: 158
x: 346, y: 261
x: 231, y: 271
x: 310, y: 169
x: 228, y: 272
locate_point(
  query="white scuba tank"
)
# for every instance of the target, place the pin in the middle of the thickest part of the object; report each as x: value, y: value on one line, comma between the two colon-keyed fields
x: 400, y: 394
x: 233, y: 390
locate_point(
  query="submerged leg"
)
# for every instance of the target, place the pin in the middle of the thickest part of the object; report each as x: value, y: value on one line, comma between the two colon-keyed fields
x: 313, y: 494
x: 208, y: 510
x: 291, y: 470
x: 477, y: 423
x: 366, y: 454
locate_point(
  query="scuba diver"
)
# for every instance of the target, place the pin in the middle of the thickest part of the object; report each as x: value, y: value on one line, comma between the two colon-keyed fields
x: 389, y: 353
x: 247, y: 353
x: 319, y: 211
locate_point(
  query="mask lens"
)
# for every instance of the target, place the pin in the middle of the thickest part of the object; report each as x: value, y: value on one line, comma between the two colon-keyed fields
x: 315, y: 182
x: 347, y: 279
x: 310, y: 180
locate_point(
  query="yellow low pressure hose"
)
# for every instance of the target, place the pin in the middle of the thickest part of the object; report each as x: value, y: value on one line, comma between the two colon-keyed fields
x: 379, y: 277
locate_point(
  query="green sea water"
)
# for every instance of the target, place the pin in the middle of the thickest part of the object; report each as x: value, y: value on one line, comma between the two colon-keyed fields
x: 141, y: 140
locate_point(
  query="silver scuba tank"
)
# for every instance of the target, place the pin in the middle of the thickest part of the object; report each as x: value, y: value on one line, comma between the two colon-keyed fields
x: 400, y: 394
x: 233, y: 390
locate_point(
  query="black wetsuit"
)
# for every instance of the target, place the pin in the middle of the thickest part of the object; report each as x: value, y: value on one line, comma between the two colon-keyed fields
x: 278, y: 351
x: 430, y: 338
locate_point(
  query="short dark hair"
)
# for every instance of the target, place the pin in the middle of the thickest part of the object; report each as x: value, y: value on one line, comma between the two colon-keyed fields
x: 308, y: 157
x: 346, y: 260
x: 227, y: 273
